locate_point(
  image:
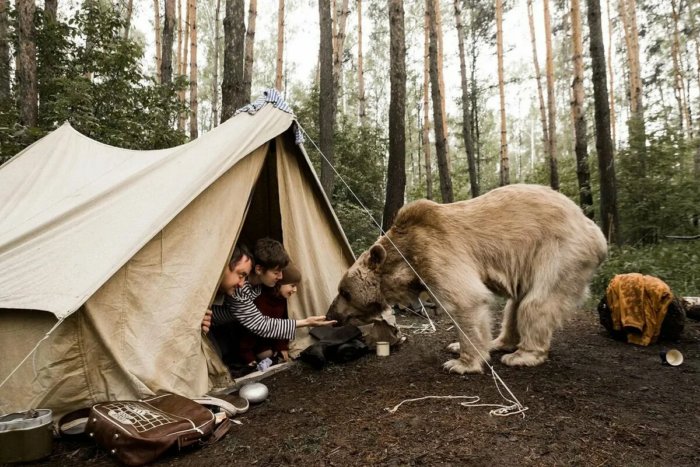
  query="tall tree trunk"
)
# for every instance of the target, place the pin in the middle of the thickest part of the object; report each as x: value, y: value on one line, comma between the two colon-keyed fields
x: 551, y: 101
x: 250, y: 49
x: 215, y: 78
x: 327, y: 104
x: 127, y: 19
x: 178, y: 66
x: 441, y: 78
x: 166, y: 66
x: 613, y: 118
x: 156, y: 26
x: 194, y: 133
x: 678, y: 75
x: 26, y: 64
x: 637, y: 131
x: 466, y: 111
x: 280, y: 46
x: 4, y: 56
x: 440, y: 140
x: 183, y: 63
x: 341, y: 17
x: 396, y: 170
x: 51, y: 8
x: 360, y: 71
x: 538, y: 77
x: 426, y: 102
x: 581, y: 137
x: 505, y: 165
x: 606, y: 162
x: 234, y: 38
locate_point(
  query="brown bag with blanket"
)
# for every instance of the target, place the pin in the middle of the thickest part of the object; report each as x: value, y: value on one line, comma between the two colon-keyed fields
x: 138, y: 432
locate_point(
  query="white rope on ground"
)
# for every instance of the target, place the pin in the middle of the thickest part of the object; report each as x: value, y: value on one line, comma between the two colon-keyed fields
x: 500, y: 411
x: 31, y: 352
x: 515, y: 407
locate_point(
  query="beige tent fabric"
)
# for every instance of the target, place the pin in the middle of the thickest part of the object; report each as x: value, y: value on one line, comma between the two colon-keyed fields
x: 312, y: 242
x: 88, y: 207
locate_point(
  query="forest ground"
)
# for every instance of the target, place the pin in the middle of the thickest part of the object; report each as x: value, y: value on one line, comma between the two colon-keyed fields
x: 595, y: 402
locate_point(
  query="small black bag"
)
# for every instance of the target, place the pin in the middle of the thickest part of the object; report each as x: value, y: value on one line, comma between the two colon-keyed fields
x: 138, y: 432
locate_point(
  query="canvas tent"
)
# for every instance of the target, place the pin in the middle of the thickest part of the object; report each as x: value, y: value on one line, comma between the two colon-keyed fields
x: 117, y: 254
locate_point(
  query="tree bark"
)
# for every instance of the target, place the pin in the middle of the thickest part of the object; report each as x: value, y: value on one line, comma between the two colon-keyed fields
x: 581, y: 137
x: 234, y: 38
x: 156, y: 26
x: 127, y: 20
x: 341, y: 17
x: 440, y: 141
x: 4, y: 55
x: 360, y: 71
x: 215, y: 78
x: 606, y: 163
x: 613, y: 118
x: 426, y: 103
x: 178, y: 59
x: 678, y: 75
x: 166, y: 68
x: 538, y: 77
x: 280, y: 46
x: 441, y: 78
x: 194, y: 133
x: 327, y: 97
x: 250, y: 49
x: 551, y: 101
x: 505, y: 165
x: 51, y: 8
x: 396, y: 170
x: 26, y: 64
x: 183, y: 63
x: 466, y: 111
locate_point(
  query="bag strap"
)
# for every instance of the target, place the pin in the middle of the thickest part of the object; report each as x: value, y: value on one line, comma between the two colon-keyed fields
x: 218, y: 433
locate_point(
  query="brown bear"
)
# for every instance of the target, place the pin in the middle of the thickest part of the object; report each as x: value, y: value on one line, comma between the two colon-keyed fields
x: 527, y: 243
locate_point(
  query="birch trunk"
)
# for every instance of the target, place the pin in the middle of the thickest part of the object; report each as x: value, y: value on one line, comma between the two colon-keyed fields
x: 249, y: 52
x: 504, y: 172
x: 156, y: 26
x: 341, y: 17
x: 360, y: 71
x: 127, y: 20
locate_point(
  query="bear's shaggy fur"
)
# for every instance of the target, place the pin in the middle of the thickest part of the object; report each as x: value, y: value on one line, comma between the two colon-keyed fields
x: 527, y: 243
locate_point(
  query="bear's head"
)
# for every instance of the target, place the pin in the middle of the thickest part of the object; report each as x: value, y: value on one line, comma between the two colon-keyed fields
x: 375, y: 281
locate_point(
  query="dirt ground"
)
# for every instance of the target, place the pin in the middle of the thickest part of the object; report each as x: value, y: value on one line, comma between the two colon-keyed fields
x: 595, y: 402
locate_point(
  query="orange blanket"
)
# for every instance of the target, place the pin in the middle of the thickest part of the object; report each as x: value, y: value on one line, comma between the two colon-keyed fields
x: 638, y: 305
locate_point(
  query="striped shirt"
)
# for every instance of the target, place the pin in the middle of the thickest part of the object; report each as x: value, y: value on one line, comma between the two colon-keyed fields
x: 240, y: 307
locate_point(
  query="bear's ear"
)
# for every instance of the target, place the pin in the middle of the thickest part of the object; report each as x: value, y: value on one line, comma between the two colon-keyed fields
x: 377, y: 255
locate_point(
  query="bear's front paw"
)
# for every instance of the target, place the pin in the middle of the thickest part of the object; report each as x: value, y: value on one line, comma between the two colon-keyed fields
x: 522, y: 358
x: 461, y: 367
x: 453, y: 347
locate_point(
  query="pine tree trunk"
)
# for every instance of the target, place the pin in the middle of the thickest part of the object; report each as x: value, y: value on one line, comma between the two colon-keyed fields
x: 280, y: 46
x: 215, y: 77
x: 234, y: 43
x: 127, y: 19
x: 341, y: 17
x: 551, y: 101
x: 178, y: 59
x: 250, y: 49
x: 156, y: 26
x: 396, y: 170
x: 613, y: 118
x: 505, y: 165
x: 166, y: 69
x: 51, y: 8
x: 426, y: 103
x: 441, y: 78
x: 678, y: 75
x: 440, y: 141
x: 538, y: 77
x: 183, y: 63
x: 581, y: 137
x: 466, y: 111
x: 360, y: 71
x: 28, y: 97
x: 637, y: 131
x: 4, y: 56
x: 194, y: 133
x: 327, y: 97
x: 606, y: 162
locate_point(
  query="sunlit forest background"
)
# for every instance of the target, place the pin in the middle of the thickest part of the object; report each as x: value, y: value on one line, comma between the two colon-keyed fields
x: 599, y: 99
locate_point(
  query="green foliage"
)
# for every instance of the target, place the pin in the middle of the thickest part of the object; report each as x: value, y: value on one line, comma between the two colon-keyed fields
x: 359, y: 156
x: 90, y: 76
x: 676, y: 263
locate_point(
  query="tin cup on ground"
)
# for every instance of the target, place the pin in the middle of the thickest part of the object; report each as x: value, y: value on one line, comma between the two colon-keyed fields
x: 671, y: 357
x: 382, y: 349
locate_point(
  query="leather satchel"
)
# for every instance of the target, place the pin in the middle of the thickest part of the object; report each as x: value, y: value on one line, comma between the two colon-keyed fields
x: 138, y: 432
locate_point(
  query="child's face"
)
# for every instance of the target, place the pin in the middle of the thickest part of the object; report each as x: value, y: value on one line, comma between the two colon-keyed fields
x: 235, y: 278
x: 269, y: 277
x: 287, y: 290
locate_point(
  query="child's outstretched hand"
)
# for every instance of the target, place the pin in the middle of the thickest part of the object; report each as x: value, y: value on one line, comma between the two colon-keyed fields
x: 315, y: 321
